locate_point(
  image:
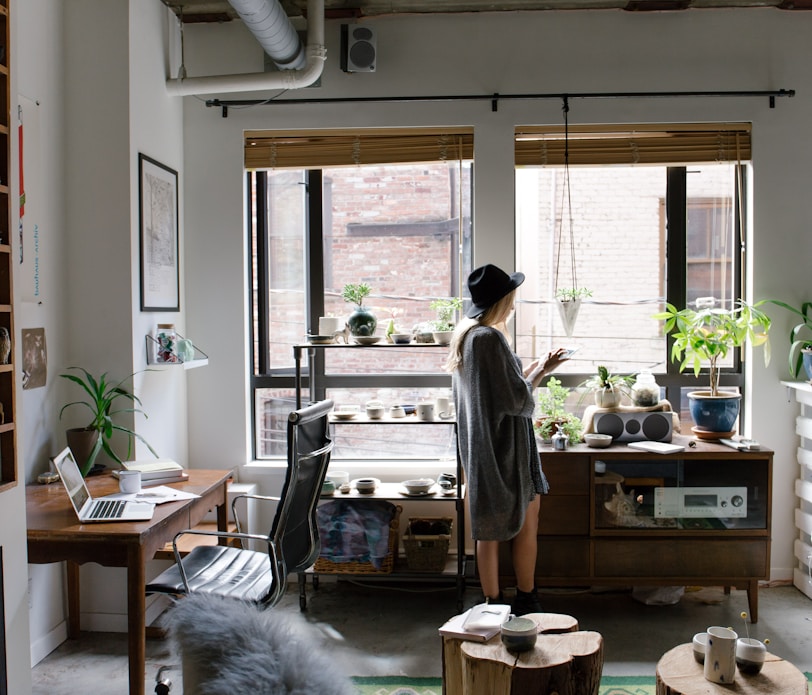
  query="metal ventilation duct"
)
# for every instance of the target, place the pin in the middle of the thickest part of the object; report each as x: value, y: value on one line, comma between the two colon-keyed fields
x: 276, y: 34
x: 269, y: 24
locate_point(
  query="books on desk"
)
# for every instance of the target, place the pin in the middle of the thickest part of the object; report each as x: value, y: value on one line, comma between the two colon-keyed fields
x: 477, y: 624
x: 156, y: 471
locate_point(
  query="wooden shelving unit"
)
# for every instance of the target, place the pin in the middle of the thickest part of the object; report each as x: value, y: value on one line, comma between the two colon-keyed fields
x: 8, y: 442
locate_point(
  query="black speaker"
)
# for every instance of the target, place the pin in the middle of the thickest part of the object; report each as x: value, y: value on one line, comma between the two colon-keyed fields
x: 359, y: 48
x: 635, y: 427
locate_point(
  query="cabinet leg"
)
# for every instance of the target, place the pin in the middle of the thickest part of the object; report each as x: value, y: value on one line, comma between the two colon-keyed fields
x: 752, y: 600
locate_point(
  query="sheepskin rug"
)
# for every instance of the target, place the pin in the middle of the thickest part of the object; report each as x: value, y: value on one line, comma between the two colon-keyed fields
x: 228, y: 646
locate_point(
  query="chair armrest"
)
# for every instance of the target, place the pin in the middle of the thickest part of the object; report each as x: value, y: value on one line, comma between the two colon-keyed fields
x: 261, y: 498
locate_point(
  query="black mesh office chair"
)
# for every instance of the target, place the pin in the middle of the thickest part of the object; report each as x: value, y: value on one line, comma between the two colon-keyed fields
x: 293, y: 542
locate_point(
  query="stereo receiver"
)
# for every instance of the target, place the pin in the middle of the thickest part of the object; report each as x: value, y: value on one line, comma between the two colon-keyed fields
x: 700, y: 502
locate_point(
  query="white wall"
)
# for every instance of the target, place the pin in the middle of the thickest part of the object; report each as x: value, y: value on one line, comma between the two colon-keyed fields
x: 514, y: 53
x: 100, y: 84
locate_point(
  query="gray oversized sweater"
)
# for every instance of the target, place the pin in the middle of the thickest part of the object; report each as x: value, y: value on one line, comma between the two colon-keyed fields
x: 498, y: 450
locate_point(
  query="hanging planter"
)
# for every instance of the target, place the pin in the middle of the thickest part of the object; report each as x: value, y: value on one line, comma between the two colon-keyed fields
x: 569, y: 304
x: 568, y: 298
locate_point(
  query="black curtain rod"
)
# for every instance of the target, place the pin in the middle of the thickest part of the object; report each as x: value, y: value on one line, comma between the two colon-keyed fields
x: 496, y: 97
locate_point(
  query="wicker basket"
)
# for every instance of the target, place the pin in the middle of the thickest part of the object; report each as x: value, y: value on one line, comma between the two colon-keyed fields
x: 427, y: 552
x: 326, y: 566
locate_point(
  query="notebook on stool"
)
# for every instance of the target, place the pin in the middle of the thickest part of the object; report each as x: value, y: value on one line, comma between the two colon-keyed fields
x: 89, y: 510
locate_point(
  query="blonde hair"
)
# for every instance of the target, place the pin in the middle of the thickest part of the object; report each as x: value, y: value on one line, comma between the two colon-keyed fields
x: 495, y: 315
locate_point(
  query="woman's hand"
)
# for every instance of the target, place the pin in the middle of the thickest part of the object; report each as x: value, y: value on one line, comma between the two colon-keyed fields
x: 539, y: 368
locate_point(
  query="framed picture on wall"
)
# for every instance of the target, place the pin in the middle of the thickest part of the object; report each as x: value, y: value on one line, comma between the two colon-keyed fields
x: 158, y: 211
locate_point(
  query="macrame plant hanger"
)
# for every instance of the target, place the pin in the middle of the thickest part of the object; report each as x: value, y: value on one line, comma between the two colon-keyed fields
x: 569, y: 298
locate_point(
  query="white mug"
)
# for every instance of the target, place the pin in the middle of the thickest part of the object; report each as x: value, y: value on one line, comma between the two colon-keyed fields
x: 443, y: 404
x: 129, y: 481
x: 720, y: 655
x: 425, y: 411
x: 329, y: 325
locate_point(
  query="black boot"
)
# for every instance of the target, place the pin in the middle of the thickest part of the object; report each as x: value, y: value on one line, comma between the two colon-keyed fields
x: 526, y: 602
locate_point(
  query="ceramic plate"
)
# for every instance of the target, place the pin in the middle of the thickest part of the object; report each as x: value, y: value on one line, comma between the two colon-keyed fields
x: 367, y: 339
x: 406, y: 493
x: 344, y: 416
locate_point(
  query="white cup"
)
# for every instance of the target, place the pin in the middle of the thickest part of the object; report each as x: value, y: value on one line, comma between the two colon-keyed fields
x: 720, y: 655
x: 443, y: 404
x: 129, y: 481
x: 425, y: 410
x: 329, y: 325
x: 338, y: 477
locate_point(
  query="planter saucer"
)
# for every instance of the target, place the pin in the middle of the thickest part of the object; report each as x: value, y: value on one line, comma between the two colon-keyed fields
x: 366, y: 339
x: 709, y: 435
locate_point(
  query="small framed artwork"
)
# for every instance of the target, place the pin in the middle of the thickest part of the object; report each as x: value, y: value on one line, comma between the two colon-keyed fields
x: 158, y: 212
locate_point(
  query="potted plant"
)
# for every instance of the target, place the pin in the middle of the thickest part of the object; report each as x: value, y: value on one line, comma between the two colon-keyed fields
x: 569, y: 304
x: 443, y: 325
x: 706, y: 334
x: 362, y: 322
x: 608, y: 388
x: 800, y: 339
x: 102, y: 395
x: 553, y: 413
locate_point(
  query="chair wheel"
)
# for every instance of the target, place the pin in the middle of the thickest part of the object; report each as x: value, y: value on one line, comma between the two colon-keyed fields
x: 163, y: 687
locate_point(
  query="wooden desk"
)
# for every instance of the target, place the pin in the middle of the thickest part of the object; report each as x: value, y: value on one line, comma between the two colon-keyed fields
x: 678, y: 673
x: 55, y: 535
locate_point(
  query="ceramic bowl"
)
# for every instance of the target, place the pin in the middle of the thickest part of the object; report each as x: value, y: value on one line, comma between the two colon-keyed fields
x: 417, y: 486
x: 442, y: 337
x: 328, y: 487
x: 401, y: 338
x: 519, y: 634
x: 700, y: 643
x: 366, y: 485
x: 598, y: 441
x: 750, y: 655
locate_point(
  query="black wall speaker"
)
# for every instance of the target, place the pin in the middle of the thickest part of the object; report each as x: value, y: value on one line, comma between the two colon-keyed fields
x: 635, y: 427
x: 359, y: 48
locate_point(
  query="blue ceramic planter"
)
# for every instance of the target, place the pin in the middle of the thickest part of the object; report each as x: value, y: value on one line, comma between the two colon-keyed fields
x: 714, y: 413
x: 807, y: 357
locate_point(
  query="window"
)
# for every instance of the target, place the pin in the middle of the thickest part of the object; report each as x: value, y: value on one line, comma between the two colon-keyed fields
x: 393, y: 212
x: 654, y: 219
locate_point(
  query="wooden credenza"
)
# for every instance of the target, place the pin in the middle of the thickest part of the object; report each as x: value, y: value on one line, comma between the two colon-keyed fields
x: 700, y: 517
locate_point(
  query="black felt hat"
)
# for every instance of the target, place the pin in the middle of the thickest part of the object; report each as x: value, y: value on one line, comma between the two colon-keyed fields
x: 487, y: 285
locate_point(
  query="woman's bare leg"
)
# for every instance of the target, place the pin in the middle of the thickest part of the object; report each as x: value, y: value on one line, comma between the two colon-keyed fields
x: 525, y: 548
x: 487, y: 560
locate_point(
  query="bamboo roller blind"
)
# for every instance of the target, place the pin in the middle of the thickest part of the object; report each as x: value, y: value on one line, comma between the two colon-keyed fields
x: 638, y: 144
x: 331, y: 148
x: 535, y: 145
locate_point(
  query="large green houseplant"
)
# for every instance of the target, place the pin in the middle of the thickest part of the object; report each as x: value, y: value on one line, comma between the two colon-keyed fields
x: 800, y: 339
x: 102, y: 397
x: 706, y: 335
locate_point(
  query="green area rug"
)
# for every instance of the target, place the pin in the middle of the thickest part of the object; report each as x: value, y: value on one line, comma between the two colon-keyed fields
x: 400, y: 685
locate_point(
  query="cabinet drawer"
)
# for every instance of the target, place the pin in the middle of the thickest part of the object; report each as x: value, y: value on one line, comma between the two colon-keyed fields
x: 557, y: 557
x: 566, y: 475
x: 562, y: 557
x: 564, y: 515
x: 682, y: 558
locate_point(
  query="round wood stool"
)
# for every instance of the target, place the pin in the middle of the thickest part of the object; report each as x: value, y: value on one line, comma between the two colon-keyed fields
x: 565, y: 661
x: 678, y: 673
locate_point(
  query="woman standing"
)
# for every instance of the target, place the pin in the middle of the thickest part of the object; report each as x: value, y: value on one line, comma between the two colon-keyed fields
x: 494, y: 401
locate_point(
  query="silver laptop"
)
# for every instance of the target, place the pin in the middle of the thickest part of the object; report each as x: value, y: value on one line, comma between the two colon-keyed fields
x: 89, y: 510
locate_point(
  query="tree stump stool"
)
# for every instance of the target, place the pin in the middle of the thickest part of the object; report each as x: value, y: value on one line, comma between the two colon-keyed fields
x: 678, y: 673
x: 565, y: 661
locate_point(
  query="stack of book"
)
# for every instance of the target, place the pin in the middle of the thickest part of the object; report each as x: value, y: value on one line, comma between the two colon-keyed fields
x: 156, y: 471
